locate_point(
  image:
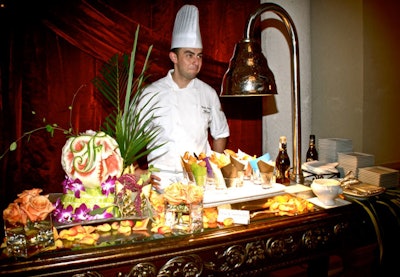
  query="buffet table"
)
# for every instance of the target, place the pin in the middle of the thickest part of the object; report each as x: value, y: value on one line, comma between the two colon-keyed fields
x: 266, y: 244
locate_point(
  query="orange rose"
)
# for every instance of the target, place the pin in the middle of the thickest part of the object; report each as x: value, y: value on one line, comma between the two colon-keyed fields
x: 38, y: 207
x: 13, y: 214
x: 175, y: 194
x: 178, y: 193
x: 26, y: 195
x: 194, y: 194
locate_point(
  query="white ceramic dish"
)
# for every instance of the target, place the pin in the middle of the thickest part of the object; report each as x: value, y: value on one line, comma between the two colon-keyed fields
x: 338, y: 202
x: 326, y: 190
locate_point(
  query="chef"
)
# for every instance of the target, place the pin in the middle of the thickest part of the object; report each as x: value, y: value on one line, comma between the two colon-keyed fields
x: 188, y: 109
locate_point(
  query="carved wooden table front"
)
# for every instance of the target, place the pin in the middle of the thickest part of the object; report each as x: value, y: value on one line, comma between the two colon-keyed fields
x: 249, y: 250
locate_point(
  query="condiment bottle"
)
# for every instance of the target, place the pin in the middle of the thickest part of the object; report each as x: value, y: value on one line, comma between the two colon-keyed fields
x: 312, y: 153
x: 282, y: 163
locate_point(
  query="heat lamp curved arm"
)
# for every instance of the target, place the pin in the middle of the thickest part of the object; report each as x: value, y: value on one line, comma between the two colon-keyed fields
x: 297, y: 174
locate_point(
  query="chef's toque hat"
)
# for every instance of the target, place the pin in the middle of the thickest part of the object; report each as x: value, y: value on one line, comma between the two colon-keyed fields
x: 186, y: 33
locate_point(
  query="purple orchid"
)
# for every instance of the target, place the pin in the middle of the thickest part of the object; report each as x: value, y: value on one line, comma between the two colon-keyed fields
x: 103, y: 215
x: 82, y: 213
x: 62, y: 215
x: 75, y: 186
x: 108, y: 186
x: 66, y: 184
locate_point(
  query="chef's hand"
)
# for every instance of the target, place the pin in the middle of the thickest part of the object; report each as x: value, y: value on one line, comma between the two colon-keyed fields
x: 155, y: 181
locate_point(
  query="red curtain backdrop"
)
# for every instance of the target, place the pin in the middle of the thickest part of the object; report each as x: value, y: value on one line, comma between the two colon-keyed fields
x: 49, y: 56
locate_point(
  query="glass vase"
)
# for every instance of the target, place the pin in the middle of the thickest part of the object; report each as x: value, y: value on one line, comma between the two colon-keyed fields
x: 15, y: 239
x: 30, y: 239
x: 184, y: 218
x: 39, y: 235
x: 196, y: 217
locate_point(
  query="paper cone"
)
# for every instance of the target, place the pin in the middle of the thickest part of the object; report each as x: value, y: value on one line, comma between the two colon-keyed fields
x: 238, y: 164
x: 248, y: 170
x: 219, y: 159
x: 218, y: 177
x: 229, y: 171
x: 264, y: 167
x: 199, y: 173
x: 243, y: 155
x: 187, y: 169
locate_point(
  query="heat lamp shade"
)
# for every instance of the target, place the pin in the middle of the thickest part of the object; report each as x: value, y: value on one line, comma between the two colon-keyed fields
x: 248, y: 73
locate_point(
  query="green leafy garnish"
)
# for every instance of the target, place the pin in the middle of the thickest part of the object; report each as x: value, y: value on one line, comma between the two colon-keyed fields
x: 128, y: 124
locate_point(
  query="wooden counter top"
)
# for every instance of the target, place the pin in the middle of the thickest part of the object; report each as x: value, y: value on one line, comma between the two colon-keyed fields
x: 265, y: 244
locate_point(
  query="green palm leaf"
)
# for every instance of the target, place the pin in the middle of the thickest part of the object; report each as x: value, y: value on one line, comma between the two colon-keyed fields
x: 128, y: 125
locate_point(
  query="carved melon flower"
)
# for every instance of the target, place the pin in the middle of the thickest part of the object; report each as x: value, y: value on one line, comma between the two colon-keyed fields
x: 92, y: 157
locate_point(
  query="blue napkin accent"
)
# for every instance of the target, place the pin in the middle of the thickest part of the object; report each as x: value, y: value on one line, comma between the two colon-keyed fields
x: 265, y: 158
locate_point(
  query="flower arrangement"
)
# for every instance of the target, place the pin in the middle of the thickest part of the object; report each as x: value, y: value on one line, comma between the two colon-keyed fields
x: 125, y: 138
x: 99, y: 165
x: 83, y: 212
x: 131, y: 199
x: 29, y: 206
x: 179, y: 193
x: 184, y: 207
x: 28, y: 224
x: 108, y: 158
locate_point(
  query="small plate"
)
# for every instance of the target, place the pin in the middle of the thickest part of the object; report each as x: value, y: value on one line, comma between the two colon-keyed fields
x: 338, y: 202
x: 355, y: 195
x: 363, y: 190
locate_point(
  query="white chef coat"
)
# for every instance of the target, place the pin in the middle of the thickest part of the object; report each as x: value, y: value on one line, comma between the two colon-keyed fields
x: 184, y: 115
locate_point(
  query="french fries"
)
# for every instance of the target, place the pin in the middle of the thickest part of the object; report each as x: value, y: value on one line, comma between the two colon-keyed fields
x: 288, y: 205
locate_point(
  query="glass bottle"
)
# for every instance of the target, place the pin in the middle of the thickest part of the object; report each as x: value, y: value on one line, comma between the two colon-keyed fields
x: 312, y: 153
x: 282, y: 163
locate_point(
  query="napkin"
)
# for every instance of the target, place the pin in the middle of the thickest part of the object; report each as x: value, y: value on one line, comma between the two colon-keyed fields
x: 320, y: 168
x: 254, y: 162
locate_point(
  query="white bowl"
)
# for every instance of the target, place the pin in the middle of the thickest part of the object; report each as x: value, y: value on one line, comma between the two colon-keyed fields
x: 327, y: 190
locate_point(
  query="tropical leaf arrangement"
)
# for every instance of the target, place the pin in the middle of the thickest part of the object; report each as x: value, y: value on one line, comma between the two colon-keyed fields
x: 128, y: 124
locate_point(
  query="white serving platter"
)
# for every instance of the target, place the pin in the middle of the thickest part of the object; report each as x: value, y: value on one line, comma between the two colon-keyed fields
x: 248, y: 192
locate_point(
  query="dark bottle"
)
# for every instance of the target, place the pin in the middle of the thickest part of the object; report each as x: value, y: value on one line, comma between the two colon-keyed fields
x: 312, y: 153
x: 282, y: 163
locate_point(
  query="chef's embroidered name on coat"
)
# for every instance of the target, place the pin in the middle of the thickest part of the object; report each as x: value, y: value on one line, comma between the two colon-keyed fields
x: 206, y: 109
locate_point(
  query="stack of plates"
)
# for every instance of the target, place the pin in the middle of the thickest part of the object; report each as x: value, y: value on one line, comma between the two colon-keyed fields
x: 352, y: 161
x: 329, y: 148
x: 379, y: 176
